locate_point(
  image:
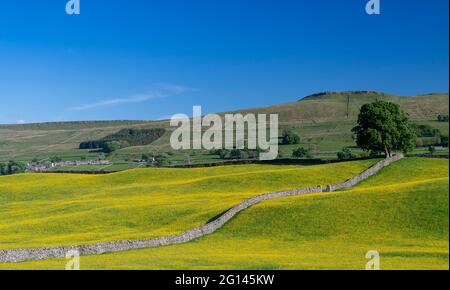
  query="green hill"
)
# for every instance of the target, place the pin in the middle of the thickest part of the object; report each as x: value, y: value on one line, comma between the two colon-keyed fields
x: 333, y: 107
x: 402, y: 213
x: 323, y: 121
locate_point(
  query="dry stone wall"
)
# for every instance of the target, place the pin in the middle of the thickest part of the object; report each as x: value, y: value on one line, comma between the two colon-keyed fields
x: 365, y: 175
x: 20, y: 255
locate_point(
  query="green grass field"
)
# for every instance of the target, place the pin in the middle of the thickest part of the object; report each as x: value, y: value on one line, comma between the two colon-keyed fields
x: 57, y: 209
x: 402, y: 212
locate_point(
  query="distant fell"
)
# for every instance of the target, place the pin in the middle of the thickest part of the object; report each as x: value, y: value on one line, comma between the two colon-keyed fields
x: 345, y: 93
x: 341, y: 106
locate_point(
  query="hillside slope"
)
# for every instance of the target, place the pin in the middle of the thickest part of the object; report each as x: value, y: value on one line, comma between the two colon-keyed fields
x: 402, y: 212
x: 326, y: 107
x: 40, y: 210
x: 324, y: 122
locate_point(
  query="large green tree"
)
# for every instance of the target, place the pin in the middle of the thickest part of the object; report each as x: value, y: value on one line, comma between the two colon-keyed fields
x: 384, y: 127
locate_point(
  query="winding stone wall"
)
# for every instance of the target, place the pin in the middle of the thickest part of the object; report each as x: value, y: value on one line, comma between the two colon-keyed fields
x: 20, y: 255
x: 365, y: 175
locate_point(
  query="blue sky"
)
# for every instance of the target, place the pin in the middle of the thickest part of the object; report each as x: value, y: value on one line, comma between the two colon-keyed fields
x: 148, y: 59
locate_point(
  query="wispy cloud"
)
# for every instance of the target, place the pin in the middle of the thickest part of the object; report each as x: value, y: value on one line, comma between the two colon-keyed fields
x: 162, y: 91
x: 113, y: 102
x: 169, y: 117
x: 20, y: 122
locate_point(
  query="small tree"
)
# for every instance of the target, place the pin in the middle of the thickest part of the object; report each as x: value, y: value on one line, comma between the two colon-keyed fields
x: 443, y: 118
x: 14, y: 167
x: 384, y: 127
x: 300, y: 153
x: 235, y: 154
x: 223, y: 153
x: 432, y: 150
x: 145, y: 157
x: 289, y: 138
x: 444, y: 141
x: 55, y: 159
x: 162, y: 160
x: 345, y: 154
